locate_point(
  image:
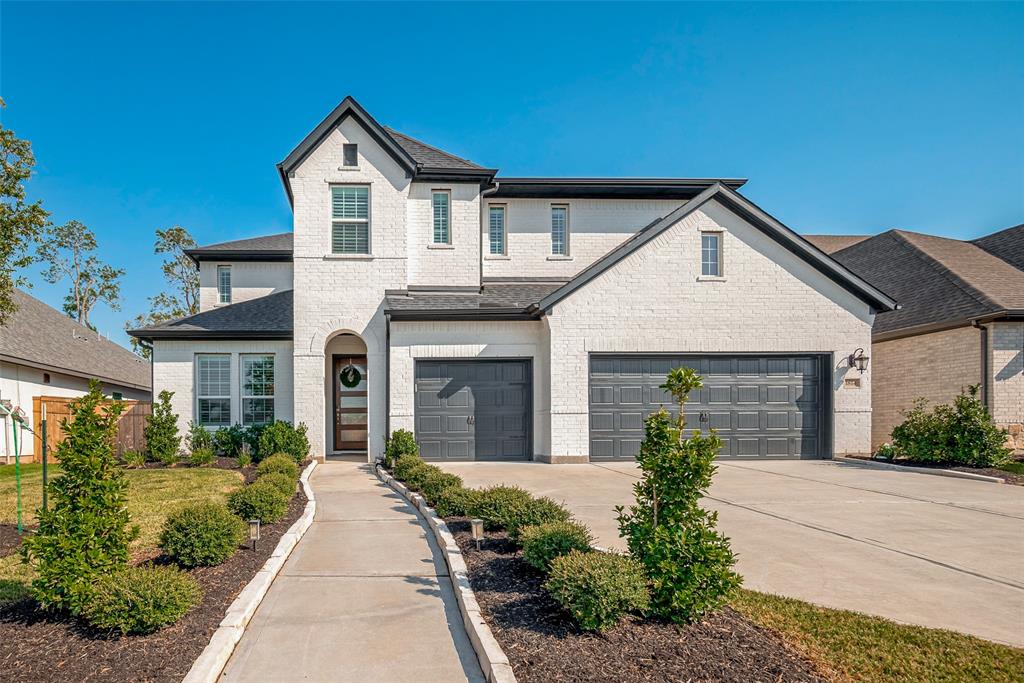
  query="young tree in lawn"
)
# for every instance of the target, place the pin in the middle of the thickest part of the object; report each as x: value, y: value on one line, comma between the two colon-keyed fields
x: 20, y: 222
x: 69, y: 252
x: 84, y: 534
x: 181, y: 274
x: 163, y: 441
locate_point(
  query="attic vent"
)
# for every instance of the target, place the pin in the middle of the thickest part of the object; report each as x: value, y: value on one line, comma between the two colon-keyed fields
x: 351, y: 154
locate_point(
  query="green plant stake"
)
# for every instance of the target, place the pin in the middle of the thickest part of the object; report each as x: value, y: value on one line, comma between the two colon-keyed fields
x: 44, y: 456
x: 17, y: 467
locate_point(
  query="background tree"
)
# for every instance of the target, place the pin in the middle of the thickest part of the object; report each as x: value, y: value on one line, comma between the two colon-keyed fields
x: 181, y: 274
x: 68, y: 251
x: 20, y: 222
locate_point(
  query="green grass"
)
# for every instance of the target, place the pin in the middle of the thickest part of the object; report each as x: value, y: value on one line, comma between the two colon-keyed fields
x: 850, y: 646
x: 1017, y: 467
x: 152, y: 495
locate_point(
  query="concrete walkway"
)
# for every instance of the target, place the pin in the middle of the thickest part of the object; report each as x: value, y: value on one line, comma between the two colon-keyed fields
x: 364, y: 597
x: 916, y: 548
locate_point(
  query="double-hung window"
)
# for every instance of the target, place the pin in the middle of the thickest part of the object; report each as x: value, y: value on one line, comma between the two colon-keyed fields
x: 560, y: 230
x: 496, y: 229
x: 223, y: 284
x: 257, y: 389
x: 213, y: 390
x: 350, y: 219
x: 711, y: 254
x: 442, y: 201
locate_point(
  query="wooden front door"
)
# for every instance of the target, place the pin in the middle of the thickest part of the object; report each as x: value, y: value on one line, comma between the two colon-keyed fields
x: 350, y: 403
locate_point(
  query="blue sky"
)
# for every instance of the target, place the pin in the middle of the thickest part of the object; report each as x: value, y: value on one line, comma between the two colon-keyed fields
x: 847, y: 118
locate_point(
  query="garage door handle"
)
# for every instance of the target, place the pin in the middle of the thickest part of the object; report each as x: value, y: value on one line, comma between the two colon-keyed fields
x: 471, y: 419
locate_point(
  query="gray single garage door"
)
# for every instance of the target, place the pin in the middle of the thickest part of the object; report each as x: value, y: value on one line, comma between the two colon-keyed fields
x: 473, y: 409
x: 762, y: 406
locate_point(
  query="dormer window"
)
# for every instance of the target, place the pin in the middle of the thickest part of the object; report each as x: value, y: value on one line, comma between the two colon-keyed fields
x: 350, y: 153
x: 442, y: 216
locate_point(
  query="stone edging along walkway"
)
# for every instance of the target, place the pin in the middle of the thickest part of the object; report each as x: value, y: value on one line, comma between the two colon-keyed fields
x: 207, y: 668
x: 493, y: 662
x: 933, y: 471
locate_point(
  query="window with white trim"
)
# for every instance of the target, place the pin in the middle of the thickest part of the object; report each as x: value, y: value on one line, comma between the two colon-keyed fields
x: 213, y: 390
x: 257, y: 393
x: 350, y: 219
x: 442, y: 206
x: 559, y: 230
x: 496, y: 229
x: 223, y: 284
x: 711, y: 254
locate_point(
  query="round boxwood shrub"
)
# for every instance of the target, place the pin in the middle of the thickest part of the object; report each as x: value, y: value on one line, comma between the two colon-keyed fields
x: 496, y: 504
x: 542, y: 543
x: 598, y: 588
x: 259, y: 500
x: 282, y: 481
x: 405, y: 464
x: 280, y: 463
x: 537, y: 511
x: 141, y: 599
x: 417, y: 476
x: 282, y: 437
x: 202, y: 534
x: 456, y: 501
x: 437, y: 481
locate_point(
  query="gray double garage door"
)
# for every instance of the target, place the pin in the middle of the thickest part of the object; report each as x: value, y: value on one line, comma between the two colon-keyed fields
x: 761, y: 405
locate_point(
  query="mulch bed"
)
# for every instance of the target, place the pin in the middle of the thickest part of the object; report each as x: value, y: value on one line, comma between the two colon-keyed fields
x: 1009, y: 477
x: 10, y: 539
x: 543, y: 643
x: 36, y: 646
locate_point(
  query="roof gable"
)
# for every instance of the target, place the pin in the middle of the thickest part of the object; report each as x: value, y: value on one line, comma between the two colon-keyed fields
x: 749, y: 212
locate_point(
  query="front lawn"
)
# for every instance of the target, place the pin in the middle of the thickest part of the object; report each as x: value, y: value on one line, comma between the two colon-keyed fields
x: 854, y: 646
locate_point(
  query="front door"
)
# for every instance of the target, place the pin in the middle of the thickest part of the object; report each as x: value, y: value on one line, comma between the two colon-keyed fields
x: 350, y: 406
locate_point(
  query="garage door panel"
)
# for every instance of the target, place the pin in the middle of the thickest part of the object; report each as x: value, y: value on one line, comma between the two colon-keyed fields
x: 761, y: 406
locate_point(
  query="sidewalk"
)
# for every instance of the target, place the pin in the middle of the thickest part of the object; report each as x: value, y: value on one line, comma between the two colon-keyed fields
x: 364, y: 597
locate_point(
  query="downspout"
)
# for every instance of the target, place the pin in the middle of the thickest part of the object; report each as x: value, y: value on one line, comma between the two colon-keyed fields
x: 387, y: 376
x: 483, y: 209
x: 983, y: 329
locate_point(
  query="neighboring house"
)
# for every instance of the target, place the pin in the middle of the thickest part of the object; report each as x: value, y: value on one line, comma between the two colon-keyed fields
x: 961, y: 322
x: 43, y: 352
x: 517, y: 318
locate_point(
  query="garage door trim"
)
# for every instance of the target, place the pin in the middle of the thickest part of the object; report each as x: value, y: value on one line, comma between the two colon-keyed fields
x: 826, y: 379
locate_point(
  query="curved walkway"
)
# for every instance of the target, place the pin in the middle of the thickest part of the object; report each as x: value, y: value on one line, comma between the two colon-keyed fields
x: 364, y: 597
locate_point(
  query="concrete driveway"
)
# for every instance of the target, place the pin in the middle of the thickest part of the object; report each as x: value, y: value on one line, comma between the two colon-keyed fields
x: 916, y: 548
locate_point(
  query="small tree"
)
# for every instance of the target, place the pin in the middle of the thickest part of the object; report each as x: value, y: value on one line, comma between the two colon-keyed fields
x: 181, y: 274
x: 84, y: 535
x: 162, y: 439
x: 68, y: 252
x: 688, y: 562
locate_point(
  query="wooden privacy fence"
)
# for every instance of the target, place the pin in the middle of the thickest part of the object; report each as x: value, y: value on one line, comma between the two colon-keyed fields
x: 129, y: 425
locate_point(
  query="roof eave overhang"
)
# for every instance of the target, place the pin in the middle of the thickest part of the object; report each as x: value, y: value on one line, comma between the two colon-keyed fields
x: 483, y: 176
x: 619, y: 188
x: 150, y: 335
x: 456, y: 315
x: 268, y: 255
x: 74, y: 373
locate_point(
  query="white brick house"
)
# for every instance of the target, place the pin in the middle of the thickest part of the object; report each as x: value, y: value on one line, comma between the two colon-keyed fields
x: 517, y: 318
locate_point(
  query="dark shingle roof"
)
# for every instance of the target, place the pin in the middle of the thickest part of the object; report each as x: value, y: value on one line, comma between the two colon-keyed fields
x: 268, y: 247
x: 40, y: 335
x: 268, y: 317
x: 512, y: 299
x: 429, y: 156
x: 935, y: 279
x: 830, y: 244
x: 1006, y: 244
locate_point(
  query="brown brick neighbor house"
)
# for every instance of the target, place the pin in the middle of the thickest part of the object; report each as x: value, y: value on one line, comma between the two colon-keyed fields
x: 961, y: 320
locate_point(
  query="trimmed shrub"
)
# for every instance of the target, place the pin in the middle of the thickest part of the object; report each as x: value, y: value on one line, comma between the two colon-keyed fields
x: 133, y: 460
x: 284, y: 483
x: 688, y: 561
x: 401, y: 442
x: 542, y: 543
x: 227, y: 441
x: 259, y: 500
x: 244, y: 458
x: 537, y: 511
x: 141, y: 599
x: 597, y: 588
x: 960, y: 434
x: 199, y: 437
x: 280, y: 463
x: 161, y: 431
x: 495, y: 505
x: 456, y: 501
x: 404, y: 465
x: 84, y: 534
x: 202, y: 534
x: 282, y: 437
x: 417, y: 477
x: 437, y: 481
x: 203, y: 456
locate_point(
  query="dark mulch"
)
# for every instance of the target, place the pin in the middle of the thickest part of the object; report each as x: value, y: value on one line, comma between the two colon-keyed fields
x: 35, y: 646
x: 10, y: 539
x: 1009, y: 477
x: 543, y: 644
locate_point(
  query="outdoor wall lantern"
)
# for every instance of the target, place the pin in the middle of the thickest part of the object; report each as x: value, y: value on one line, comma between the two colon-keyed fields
x: 858, y: 360
x: 478, y: 531
x: 254, y: 531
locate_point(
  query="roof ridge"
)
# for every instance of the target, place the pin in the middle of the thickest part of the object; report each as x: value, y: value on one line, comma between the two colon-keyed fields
x: 997, y: 232
x: 391, y: 131
x: 943, y: 270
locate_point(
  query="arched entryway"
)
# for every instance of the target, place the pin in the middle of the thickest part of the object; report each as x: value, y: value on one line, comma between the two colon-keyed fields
x: 347, y: 394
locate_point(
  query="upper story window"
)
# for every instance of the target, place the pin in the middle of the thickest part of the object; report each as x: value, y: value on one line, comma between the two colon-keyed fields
x: 350, y: 219
x: 223, y: 284
x: 213, y: 390
x: 257, y: 389
x: 496, y: 229
x: 711, y: 254
x: 560, y: 230
x: 441, y: 200
x: 350, y: 154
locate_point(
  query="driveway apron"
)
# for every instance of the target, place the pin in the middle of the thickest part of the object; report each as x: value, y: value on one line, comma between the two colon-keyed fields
x: 364, y: 597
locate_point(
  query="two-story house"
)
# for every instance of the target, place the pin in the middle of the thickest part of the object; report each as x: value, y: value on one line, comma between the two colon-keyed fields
x: 517, y: 318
